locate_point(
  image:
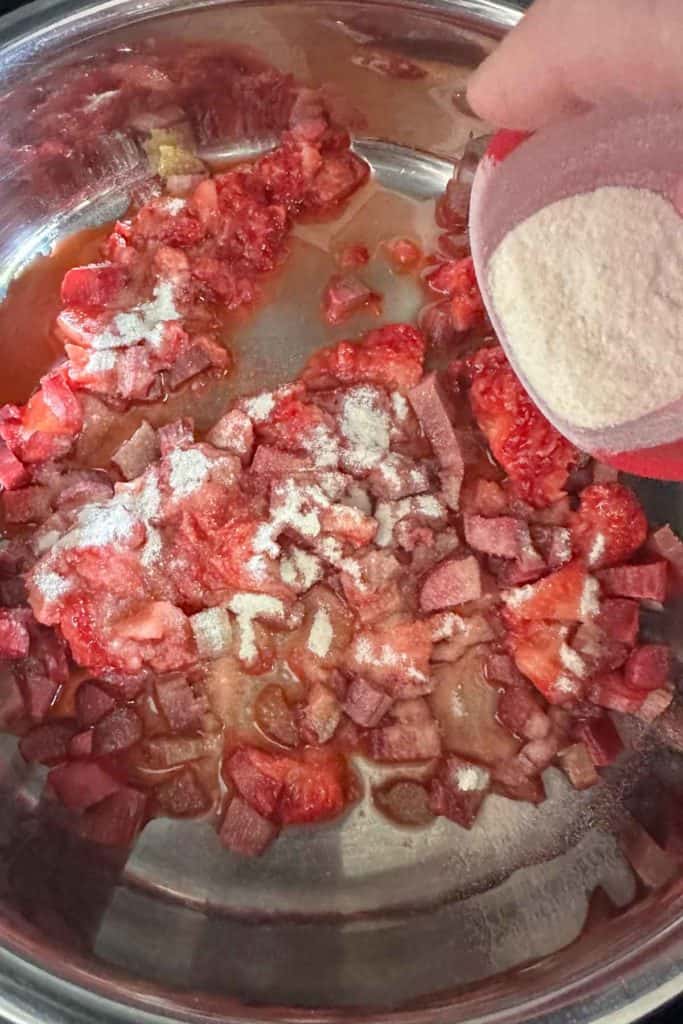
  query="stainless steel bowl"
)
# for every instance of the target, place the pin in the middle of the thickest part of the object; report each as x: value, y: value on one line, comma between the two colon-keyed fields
x: 535, y: 915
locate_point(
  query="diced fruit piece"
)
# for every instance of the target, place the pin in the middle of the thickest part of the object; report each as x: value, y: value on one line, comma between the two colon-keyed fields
x: 577, y: 764
x: 619, y: 618
x: 12, y: 471
x: 119, y: 730
x: 14, y: 636
x: 274, y: 716
x: 404, y: 801
x: 465, y: 706
x: 598, y: 651
x: 666, y: 544
x: 459, y: 790
x: 321, y: 715
x: 461, y: 633
x: 27, y: 505
x: 501, y: 536
x: 394, y: 658
x: 454, y: 582
x: 314, y: 788
x: 117, y: 820
x: 244, y: 831
x: 389, y: 356
x: 366, y: 704
x: 134, y: 455
x: 404, y: 254
x: 648, y: 667
x: 405, y: 742
x: 179, y: 705
x: 234, y: 433
x: 521, y: 713
x: 537, y: 648
x: 431, y: 411
x: 92, y: 703
x: 344, y: 295
x: 610, y: 690
x: 646, y: 582
x: 257, y: 778
x: 80, y: 746
x: 601, y: 738
x: 568, y: 595
x: 82, y: 785
x: 609, y: 525
x: 182, y: 796
x: 92, y: 286
x: 49, y: 743
x: 535, y: 456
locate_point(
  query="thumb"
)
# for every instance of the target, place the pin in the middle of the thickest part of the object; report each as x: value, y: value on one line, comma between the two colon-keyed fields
x: 567, y: 55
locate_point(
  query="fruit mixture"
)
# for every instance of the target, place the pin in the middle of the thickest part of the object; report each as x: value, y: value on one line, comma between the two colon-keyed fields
x: 377, y: 560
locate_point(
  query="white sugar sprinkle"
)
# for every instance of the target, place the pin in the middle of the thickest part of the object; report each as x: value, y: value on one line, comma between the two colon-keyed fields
x: 300, y: 570
x: 399, y: 406
x: 365, y: 426
x: 51, y: 585
x: 572, y: 660
x: 101, y: 362
x: 590, y: 599
x: 260, y: 407
x: 321, y: 635
x: 598, y: 548
x: 145, y: 322
x: 174, y: 205
x: 247, y: 607
x: 189, y: 469
x: 471, y: 778
x: 212, y: 632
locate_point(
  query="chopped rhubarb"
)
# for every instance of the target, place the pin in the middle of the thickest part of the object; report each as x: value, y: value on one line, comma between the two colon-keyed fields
x: 245, y: 831
x: 648, y: 667
x: 431, y: 411
x: 646, y: 582
x: 452, y: 583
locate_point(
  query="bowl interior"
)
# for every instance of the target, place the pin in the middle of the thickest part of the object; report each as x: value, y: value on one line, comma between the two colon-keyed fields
x: 358, y: 916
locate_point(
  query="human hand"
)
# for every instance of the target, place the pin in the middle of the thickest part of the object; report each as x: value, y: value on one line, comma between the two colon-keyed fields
x: 567, y: 55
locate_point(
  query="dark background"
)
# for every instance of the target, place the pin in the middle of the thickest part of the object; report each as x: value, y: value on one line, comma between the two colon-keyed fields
x: 674, y: 1013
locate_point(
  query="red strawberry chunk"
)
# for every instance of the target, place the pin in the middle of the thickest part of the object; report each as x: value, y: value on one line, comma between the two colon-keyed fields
x: 92, y: 703
x: 459, y: 790
x: 365, y: 704
x: 245, y: 831
x: 609, y: 525
x: 537, y: 648
x: 346, y: 294
x: 648, y: 667
x: 434, y: 419
x: 49, y: 743
x: 93, y: 286
x: 405, y: 742
x: 502, y: 536
x: 568, y: 595
x: 451, y: 583
x: 314, y: 788
x: 602, y: 740
x: 12, y: 472
x: 646, y: 582
x: 82, y: 785
x: 117, y: 731
x: 534, y: 455
x: 14, y: 636
x: 404, y: 254
x: 116, y: 820
x: 619, y: 619
x: 389, y: 356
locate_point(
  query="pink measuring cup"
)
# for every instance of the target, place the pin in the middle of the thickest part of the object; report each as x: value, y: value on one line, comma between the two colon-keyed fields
x: 519, y: 175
